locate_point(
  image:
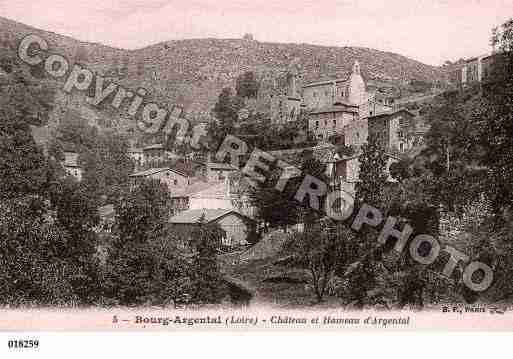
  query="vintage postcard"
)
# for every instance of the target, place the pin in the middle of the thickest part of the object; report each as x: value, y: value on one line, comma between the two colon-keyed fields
x: 256, y: 166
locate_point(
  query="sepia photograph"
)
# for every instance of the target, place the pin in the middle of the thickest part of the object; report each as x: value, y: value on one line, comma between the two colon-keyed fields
x: 266, y: 166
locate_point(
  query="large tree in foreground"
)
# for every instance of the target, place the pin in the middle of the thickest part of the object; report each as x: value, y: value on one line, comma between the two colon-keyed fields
x: 497, y: 115
x: 373, y: 175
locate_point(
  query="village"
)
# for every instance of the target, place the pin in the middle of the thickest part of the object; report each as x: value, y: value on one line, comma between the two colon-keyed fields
x: 166, y: 223
x: 338, y: 110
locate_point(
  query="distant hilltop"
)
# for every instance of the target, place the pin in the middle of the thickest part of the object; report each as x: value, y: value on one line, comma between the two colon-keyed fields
x: 192, y: 72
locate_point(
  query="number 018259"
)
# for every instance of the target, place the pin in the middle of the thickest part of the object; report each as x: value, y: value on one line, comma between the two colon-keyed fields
x: 23, y: 344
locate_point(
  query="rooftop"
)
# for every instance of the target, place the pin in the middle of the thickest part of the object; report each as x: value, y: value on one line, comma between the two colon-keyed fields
x: 323, y: 83
x: 153, y: 171
x: 158, y: 146
x: 343, y: 107
x: 388, y: 113
x: 187, y: 168
x: 221, y: 166
x: 195, y: 215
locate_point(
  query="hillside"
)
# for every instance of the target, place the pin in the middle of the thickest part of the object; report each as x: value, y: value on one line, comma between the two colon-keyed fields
x: 192, y: 72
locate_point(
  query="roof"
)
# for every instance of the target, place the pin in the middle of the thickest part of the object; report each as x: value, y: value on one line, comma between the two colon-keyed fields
x: 70, y: 161
x: 192, y: 216
x: 221, y: 166
x: 391, y: 113
x: 336, y: 108
x: 472, y: 59
x: 357, y: 155
x: 186, y: 168
x: 153, y: 171
x: 135, y: 150
x: 322, y: 83
x: 158, y: 146
x: 323, y: 152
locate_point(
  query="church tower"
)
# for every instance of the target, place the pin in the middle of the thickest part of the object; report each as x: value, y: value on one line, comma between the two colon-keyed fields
x: 356, y: 91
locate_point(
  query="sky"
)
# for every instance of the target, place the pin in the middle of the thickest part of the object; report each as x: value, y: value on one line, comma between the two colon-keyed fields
x: 429, y: 31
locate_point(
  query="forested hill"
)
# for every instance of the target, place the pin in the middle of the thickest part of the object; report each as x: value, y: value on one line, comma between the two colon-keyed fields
x: 192, y: 72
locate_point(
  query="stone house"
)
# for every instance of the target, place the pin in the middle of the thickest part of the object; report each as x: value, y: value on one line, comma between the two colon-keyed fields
x: 341, y: 107
x: 228, y: 194
x: 173, y: 179
x: 331, y: 120
x: 237, y: 227
x: 199, y: 195
x: 393, y: 130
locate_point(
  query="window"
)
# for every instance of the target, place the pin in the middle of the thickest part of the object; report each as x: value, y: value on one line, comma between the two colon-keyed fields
x: 335, y: 123
x: 316, y: 124
x: 401, y: 147
x: 175, y: 182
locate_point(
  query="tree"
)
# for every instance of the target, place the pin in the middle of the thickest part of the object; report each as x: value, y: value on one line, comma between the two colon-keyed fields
x: 450, y: 161
x: 33, y: 270
x: 226, y: 112
x: 142, y: 211
x: 206, y: 281
x: 47, y: 256
x: 497, y: 116
x: 141, y: 262
x: 373, y: 176
x: 76, y: 212
x: 321, y: 251
x: 226, y: 109
x: 279, y: 208
x: 107, y: 166
x: 23, y: 167
x: 276, y: 208
x: 22, y: 164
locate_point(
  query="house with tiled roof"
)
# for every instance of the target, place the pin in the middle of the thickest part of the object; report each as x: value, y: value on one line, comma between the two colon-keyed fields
x: 172, y: 178
x: 157, y: 153
x: 330, y: 120
x: 394, y: 130
x: 236, y: 227
x: 200, y: 194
